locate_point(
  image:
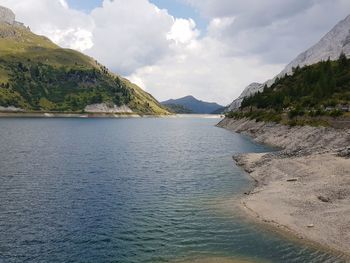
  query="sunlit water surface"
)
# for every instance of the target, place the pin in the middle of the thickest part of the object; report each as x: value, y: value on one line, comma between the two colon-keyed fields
x: 129, y: 190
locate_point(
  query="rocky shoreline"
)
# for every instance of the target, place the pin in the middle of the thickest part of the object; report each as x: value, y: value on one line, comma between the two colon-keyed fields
x: 303, y: 188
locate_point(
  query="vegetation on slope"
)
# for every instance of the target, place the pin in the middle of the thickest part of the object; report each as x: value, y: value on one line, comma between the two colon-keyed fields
x: 37, y: 75
x: 322, y: 89
x: 194, y: 105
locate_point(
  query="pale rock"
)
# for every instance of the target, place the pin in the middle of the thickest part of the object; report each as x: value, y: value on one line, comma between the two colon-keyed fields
x: 106, y: 108
x: 7, y: 16
x: 10, y: 109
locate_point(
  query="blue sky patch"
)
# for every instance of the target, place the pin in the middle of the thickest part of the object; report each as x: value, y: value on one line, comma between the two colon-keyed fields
x: 175, y: 7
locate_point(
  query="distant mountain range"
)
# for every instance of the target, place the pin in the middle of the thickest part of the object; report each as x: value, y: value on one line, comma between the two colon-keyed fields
x: 190, y: 104
x: 334, y: 43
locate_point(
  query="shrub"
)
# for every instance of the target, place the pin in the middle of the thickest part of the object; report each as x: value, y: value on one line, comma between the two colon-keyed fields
x: 336, y: 113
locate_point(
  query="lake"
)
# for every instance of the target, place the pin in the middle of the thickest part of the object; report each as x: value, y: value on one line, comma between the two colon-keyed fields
x: 129, y: 190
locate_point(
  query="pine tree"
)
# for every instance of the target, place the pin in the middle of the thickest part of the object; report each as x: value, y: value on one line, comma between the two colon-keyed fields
x: 343, y: 61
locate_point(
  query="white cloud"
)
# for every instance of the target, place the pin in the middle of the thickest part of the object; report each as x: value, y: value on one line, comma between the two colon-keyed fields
x: 75, y: 38
x: 273, y: 30
x: 64, y: 4
x: 246, y: 41
x: 183, y: 31
x: 203, y: 71
x: 130, y: 34
x: 252, y: 12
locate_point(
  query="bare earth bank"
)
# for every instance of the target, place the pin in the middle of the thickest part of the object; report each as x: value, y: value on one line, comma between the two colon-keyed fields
x: 304, y: 188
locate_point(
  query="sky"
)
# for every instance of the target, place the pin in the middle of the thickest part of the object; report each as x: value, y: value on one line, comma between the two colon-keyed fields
x: 211, y: 49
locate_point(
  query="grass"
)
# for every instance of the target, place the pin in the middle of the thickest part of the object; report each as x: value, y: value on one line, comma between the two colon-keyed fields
x: 258, y: 115
x: 143, y: 102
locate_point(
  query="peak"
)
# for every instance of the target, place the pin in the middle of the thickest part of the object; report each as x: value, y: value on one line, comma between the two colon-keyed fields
x: 346, y: 19
x: 254, y: 84
x: 7, y: 16
x: 190, y: 97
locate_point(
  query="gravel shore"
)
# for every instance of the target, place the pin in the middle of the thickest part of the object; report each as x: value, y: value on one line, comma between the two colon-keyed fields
x: 305, y: 187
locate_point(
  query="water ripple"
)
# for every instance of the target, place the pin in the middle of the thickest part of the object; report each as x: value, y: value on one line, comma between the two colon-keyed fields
x: 128, y: 191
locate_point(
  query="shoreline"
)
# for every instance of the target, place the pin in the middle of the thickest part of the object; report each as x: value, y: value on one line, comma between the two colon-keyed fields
x: 287, y: 233
x: 301, y: 189
x: 99, y: 115
x: 66, y: 115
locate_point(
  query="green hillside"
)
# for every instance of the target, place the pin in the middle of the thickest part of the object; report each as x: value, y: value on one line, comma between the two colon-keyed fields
x: 322, y: 89
x: 37, y: 75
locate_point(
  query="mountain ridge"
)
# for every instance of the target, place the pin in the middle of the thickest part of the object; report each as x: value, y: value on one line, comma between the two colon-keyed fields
x: 37, y: 75
x: 193, y: 105
x: 331, y: 45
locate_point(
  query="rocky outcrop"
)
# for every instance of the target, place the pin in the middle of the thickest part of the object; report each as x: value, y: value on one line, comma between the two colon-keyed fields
x: 7, y: 16
x: 248, y: 91
x: 106, y: 108
x: 344, y: 152
x: 334, y: 43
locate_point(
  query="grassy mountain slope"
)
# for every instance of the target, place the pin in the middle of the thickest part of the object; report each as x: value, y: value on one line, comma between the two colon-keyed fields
x: 322, y: 89
x: 37, y: 75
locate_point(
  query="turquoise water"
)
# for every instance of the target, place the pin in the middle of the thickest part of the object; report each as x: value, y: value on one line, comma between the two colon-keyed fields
x: 129, y: 190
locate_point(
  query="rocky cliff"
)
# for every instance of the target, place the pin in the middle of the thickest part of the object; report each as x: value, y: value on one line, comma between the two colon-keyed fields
x: 9, y: 17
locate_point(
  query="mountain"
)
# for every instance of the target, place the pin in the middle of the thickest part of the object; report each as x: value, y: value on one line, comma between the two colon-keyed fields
x: 179, y: 109
x: 318, y: 94
x: 248, y: 91
x: 221, y: 110
x: 37, y: 75
x: 334, y: 43
x: 193, y: 105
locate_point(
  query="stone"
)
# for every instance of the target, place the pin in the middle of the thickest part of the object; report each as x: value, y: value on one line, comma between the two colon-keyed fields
x: 344, y: 152
x: 292, y: 180
x: 107, y: 108
x: 324, y: 199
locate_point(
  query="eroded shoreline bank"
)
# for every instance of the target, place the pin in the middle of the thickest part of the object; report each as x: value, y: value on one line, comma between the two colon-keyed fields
x: 304, y: 188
